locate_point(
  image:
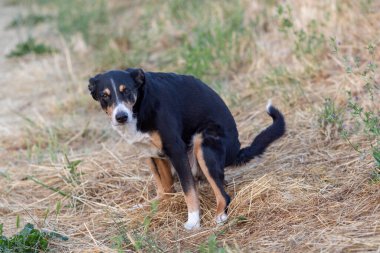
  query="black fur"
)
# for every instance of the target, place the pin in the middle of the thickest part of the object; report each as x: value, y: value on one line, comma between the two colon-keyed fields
x: 180, y: 106
x: 264, y: 139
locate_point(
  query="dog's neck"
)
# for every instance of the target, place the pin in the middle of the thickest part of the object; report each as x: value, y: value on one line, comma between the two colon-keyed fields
x: 143, y: 109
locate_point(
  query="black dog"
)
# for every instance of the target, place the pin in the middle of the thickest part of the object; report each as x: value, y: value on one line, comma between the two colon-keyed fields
x: 179, y: 122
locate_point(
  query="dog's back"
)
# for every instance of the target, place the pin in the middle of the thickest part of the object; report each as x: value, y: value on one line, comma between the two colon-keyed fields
x: 197, y: 107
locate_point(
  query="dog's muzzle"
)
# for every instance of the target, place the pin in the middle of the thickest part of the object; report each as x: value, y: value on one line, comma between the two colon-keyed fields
x: 121, y: 115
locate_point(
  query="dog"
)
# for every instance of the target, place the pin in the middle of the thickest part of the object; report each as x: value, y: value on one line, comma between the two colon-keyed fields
x: 183, y: 126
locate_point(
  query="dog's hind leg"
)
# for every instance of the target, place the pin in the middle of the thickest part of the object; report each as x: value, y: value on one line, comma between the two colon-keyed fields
x: 211, y: 156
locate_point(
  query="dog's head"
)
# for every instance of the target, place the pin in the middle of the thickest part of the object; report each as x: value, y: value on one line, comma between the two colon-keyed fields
x: 117, y: 92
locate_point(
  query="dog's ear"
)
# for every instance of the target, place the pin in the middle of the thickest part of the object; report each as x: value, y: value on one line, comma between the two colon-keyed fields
x: 92, y: 87
x: 138, y: 76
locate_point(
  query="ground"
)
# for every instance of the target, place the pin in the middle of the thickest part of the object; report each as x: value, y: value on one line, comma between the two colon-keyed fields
x: 63, y: 169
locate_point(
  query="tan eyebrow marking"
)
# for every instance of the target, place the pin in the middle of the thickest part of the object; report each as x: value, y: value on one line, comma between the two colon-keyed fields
x: 122, y: 88
x: 107, y: 91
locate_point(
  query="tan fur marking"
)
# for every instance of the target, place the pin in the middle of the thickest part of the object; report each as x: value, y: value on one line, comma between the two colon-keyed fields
x: 122, y: 88
x: 166, y: 176
x: 220, y: 201
x: 162, y: 175
x: 107, y: 91
x: 157, y: 179
x: 156, y: 139
x: 192, y: 200
x: 109, y: 110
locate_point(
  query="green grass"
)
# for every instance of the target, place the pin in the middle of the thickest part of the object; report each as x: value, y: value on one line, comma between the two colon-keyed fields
x: 27, y: 240
x: 31, y: 46
x: 90, y: 21
x: 331, y: 115
x: 207, y: 49
x: 86, y: 17
x: 307, y: 42
x: 211, y: 246
x: 72, y: 178
x: 30, y: 20
x: 74, y: 175
x: 138, y: 239
x: 143, y: 240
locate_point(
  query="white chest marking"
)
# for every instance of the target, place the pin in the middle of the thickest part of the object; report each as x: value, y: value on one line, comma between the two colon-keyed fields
x: 144, y: 146
x: 140, y: 142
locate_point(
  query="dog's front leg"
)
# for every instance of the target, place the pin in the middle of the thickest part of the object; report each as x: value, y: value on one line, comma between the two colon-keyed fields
x: 178, y: 156
x: 162, y: 175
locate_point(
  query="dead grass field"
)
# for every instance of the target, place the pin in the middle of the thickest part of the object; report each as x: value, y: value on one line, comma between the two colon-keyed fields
x: 310, y: 192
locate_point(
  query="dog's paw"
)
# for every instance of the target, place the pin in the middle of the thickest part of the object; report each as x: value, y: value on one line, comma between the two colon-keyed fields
x: 191, y: 225
x: 193, y: 221
x: 221, y: 218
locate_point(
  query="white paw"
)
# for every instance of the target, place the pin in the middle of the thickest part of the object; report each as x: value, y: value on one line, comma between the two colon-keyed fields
x: 191, y: 225
x: 193, y: 221
x: 221, y: 218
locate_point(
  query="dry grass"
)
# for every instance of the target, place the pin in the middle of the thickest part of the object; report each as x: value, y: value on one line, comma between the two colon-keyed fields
x: 310, y: 192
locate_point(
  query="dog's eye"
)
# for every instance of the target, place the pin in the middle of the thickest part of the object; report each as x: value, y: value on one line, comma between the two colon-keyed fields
x: 105, y: 96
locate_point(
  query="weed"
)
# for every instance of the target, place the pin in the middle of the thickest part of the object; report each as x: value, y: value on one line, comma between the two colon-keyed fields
x: 58, y: 207
x: 366, y: 5
x: 207, y: 49
x: 73, y: 178
x: 370, y: 122
x: 365, y: 119
x: 306, y: 42
x: 5, y: 175
x: 182, y: 9
x: 18, y: 220
x: 118, y: 242
x: 143, y: 240
x: 210, y: 49
x: 139, y: 239
x: 149, y: 217
x: 333, y: 44
x: 54, y: 189
x: 284, y: 13
x: 331, y: 115
x: 29, y: 20
x: 30, y: 46
x: 72, y: 167
x: 28, y: 239
x: 211, y: 246
x: 375, y: 174
x: 87, y: 17
x: 44, y: 139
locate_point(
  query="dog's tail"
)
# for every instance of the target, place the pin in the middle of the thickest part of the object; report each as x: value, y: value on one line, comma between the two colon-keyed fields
x: 265, y: 138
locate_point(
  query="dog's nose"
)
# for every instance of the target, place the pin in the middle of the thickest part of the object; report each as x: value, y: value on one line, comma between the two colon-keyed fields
x: 121, y: 117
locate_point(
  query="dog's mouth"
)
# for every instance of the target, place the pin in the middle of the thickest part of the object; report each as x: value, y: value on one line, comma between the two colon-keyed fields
x: 119, y: 123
